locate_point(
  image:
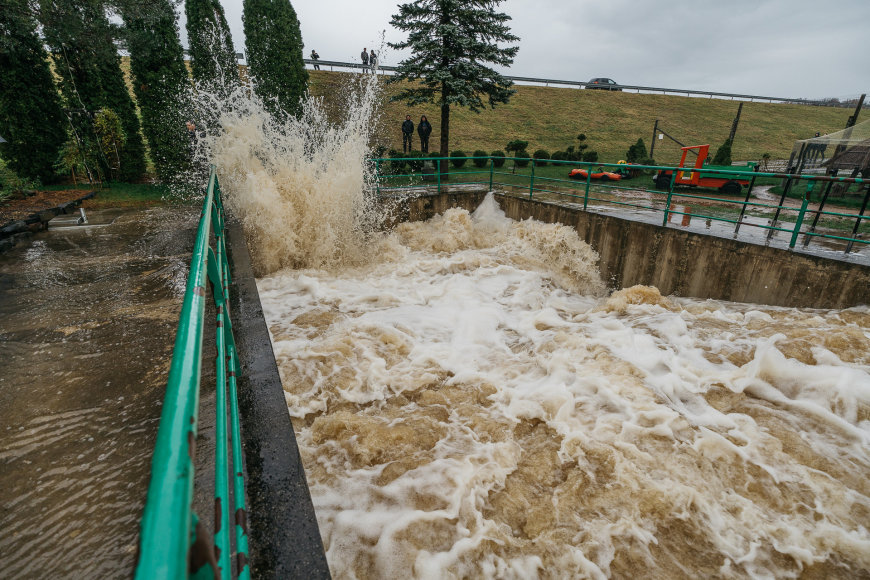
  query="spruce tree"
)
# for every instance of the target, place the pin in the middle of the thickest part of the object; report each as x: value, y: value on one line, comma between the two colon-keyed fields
x: 82, y: 44
x: 161, y: 83
x: 451, y: 41
x: 212, y: 55
x: 274, y: 51
x: 31, y: 118
x: 723, y: 154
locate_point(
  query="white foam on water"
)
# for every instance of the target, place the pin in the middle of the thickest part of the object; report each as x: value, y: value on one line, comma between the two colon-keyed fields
x: 470, y: 404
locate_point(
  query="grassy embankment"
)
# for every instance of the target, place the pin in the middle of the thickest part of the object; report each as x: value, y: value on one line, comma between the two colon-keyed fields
x: 551, y: 118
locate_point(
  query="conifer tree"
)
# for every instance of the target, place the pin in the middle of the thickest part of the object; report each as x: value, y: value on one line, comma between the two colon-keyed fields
x: 31, y: 118
x: 274, y: 51
x: 160, y: 81
x: 451, y: 42
x: 723, y: 154
x: 82, y: 44
x: 212, y: 55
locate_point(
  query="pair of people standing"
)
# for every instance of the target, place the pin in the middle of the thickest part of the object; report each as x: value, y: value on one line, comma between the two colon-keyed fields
x: 369, y: 59
x: 424, y: 129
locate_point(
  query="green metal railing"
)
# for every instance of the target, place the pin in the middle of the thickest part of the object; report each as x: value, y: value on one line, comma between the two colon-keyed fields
x: 392, y: 176
x: 169, y: 538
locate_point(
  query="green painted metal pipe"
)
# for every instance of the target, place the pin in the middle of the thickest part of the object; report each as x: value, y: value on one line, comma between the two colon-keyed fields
x: 166, y: 522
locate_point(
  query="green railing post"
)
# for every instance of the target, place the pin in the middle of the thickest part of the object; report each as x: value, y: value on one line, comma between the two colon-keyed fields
x: 670, y: 195
x: 532, y: 180
x: 588, y: 185
x: 378, y: 176
x: 491, y: 171
x: 800, y: 220
x: 438, y: 165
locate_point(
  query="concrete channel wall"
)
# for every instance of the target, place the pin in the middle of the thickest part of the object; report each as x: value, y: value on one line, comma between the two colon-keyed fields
x: 684, y: 263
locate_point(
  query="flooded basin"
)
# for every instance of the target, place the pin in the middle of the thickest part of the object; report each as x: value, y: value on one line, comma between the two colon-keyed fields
x: 87, y: 323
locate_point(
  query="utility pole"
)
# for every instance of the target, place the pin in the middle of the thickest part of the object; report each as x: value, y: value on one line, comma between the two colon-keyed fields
x: 655, y: 134
x: 734, y: 125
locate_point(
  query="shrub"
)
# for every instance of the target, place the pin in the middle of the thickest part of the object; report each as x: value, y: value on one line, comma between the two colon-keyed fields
x: 497, y: 158
x: 457, y: 158
x: 559, y: 156
x: 522, y: 158
x: 590, y: 156
x: 417, y: 164
x: 516, y: 146
x: 480, y: 158
x: 723, y: 154
x: 541, y: 156
x: 636, y: 152
x: 396, y: 167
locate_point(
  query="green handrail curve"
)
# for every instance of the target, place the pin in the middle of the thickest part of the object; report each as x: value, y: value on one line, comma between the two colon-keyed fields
x: 167, y: 529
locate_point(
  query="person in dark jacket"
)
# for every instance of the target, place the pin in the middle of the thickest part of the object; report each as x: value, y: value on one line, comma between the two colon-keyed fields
x: 407, y: 133
x: 315, y: 57
x: 364, y: 57
x: 373, y: 61
x: 424, y: 129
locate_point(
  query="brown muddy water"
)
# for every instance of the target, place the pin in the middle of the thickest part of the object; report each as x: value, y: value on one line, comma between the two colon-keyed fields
x: 87, y: 322
x: 472, y: 404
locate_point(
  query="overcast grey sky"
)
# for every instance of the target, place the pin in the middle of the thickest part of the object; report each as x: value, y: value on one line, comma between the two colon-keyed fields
x: 780, y: 48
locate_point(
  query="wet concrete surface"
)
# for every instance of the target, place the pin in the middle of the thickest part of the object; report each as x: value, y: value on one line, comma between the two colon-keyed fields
x: 87, y: 323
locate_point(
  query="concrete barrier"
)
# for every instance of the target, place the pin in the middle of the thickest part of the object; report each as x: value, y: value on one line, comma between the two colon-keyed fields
x: 684, y: 263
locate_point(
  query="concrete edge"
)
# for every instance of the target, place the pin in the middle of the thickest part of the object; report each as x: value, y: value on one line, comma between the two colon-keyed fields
x: 284, y: 535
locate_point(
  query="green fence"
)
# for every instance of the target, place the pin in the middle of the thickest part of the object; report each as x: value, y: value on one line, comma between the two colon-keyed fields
x: 171, y: 541
x: 546, y: 180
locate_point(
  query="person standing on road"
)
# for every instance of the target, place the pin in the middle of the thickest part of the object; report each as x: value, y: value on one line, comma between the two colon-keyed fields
x: 364, y: 56
x: 315, y: 57
x: 424, y: 129
x: 407, y: 134
x: 373, y: 61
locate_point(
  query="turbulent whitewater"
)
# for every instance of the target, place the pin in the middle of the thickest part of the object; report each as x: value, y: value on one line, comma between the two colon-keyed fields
x: 471, y: 402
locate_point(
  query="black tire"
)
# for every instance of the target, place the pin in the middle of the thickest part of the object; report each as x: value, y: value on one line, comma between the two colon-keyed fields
x: 731, y: 188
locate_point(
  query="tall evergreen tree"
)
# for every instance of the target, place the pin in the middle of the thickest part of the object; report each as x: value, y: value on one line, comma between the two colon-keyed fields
x: 31, y: 119
x: 451, y: 40
x: 160, y: 81
x: 87, y: 61
x: 274, y: 50
x: 212, y: 55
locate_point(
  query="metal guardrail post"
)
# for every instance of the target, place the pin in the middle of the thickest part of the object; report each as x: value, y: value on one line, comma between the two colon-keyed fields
x: 532, y: 180
x: 378, y: 176
x: 668, y: 202
x: 799, y: 222
x: 858, y: 221
x: 746, y: 201
x: 588, y: 185
x: 824, y: 199
x: 785, y: 191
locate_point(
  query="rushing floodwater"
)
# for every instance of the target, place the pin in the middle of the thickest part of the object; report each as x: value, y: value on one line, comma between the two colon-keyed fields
x: 471, y: 405
x: 470, y: 402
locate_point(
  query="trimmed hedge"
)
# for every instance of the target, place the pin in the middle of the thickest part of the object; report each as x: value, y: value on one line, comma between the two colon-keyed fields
x: 457, y: 158
x: 524, y: 162
x: 541, y: 157
x: 497, y: 158
x: 480, y: 158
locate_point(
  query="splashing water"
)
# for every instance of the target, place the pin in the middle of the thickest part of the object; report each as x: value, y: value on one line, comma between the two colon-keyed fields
x: 469, y: 402
x: 301, y: 188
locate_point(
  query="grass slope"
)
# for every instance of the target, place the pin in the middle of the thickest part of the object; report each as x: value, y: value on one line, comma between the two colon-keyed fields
x: 551, y: 118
